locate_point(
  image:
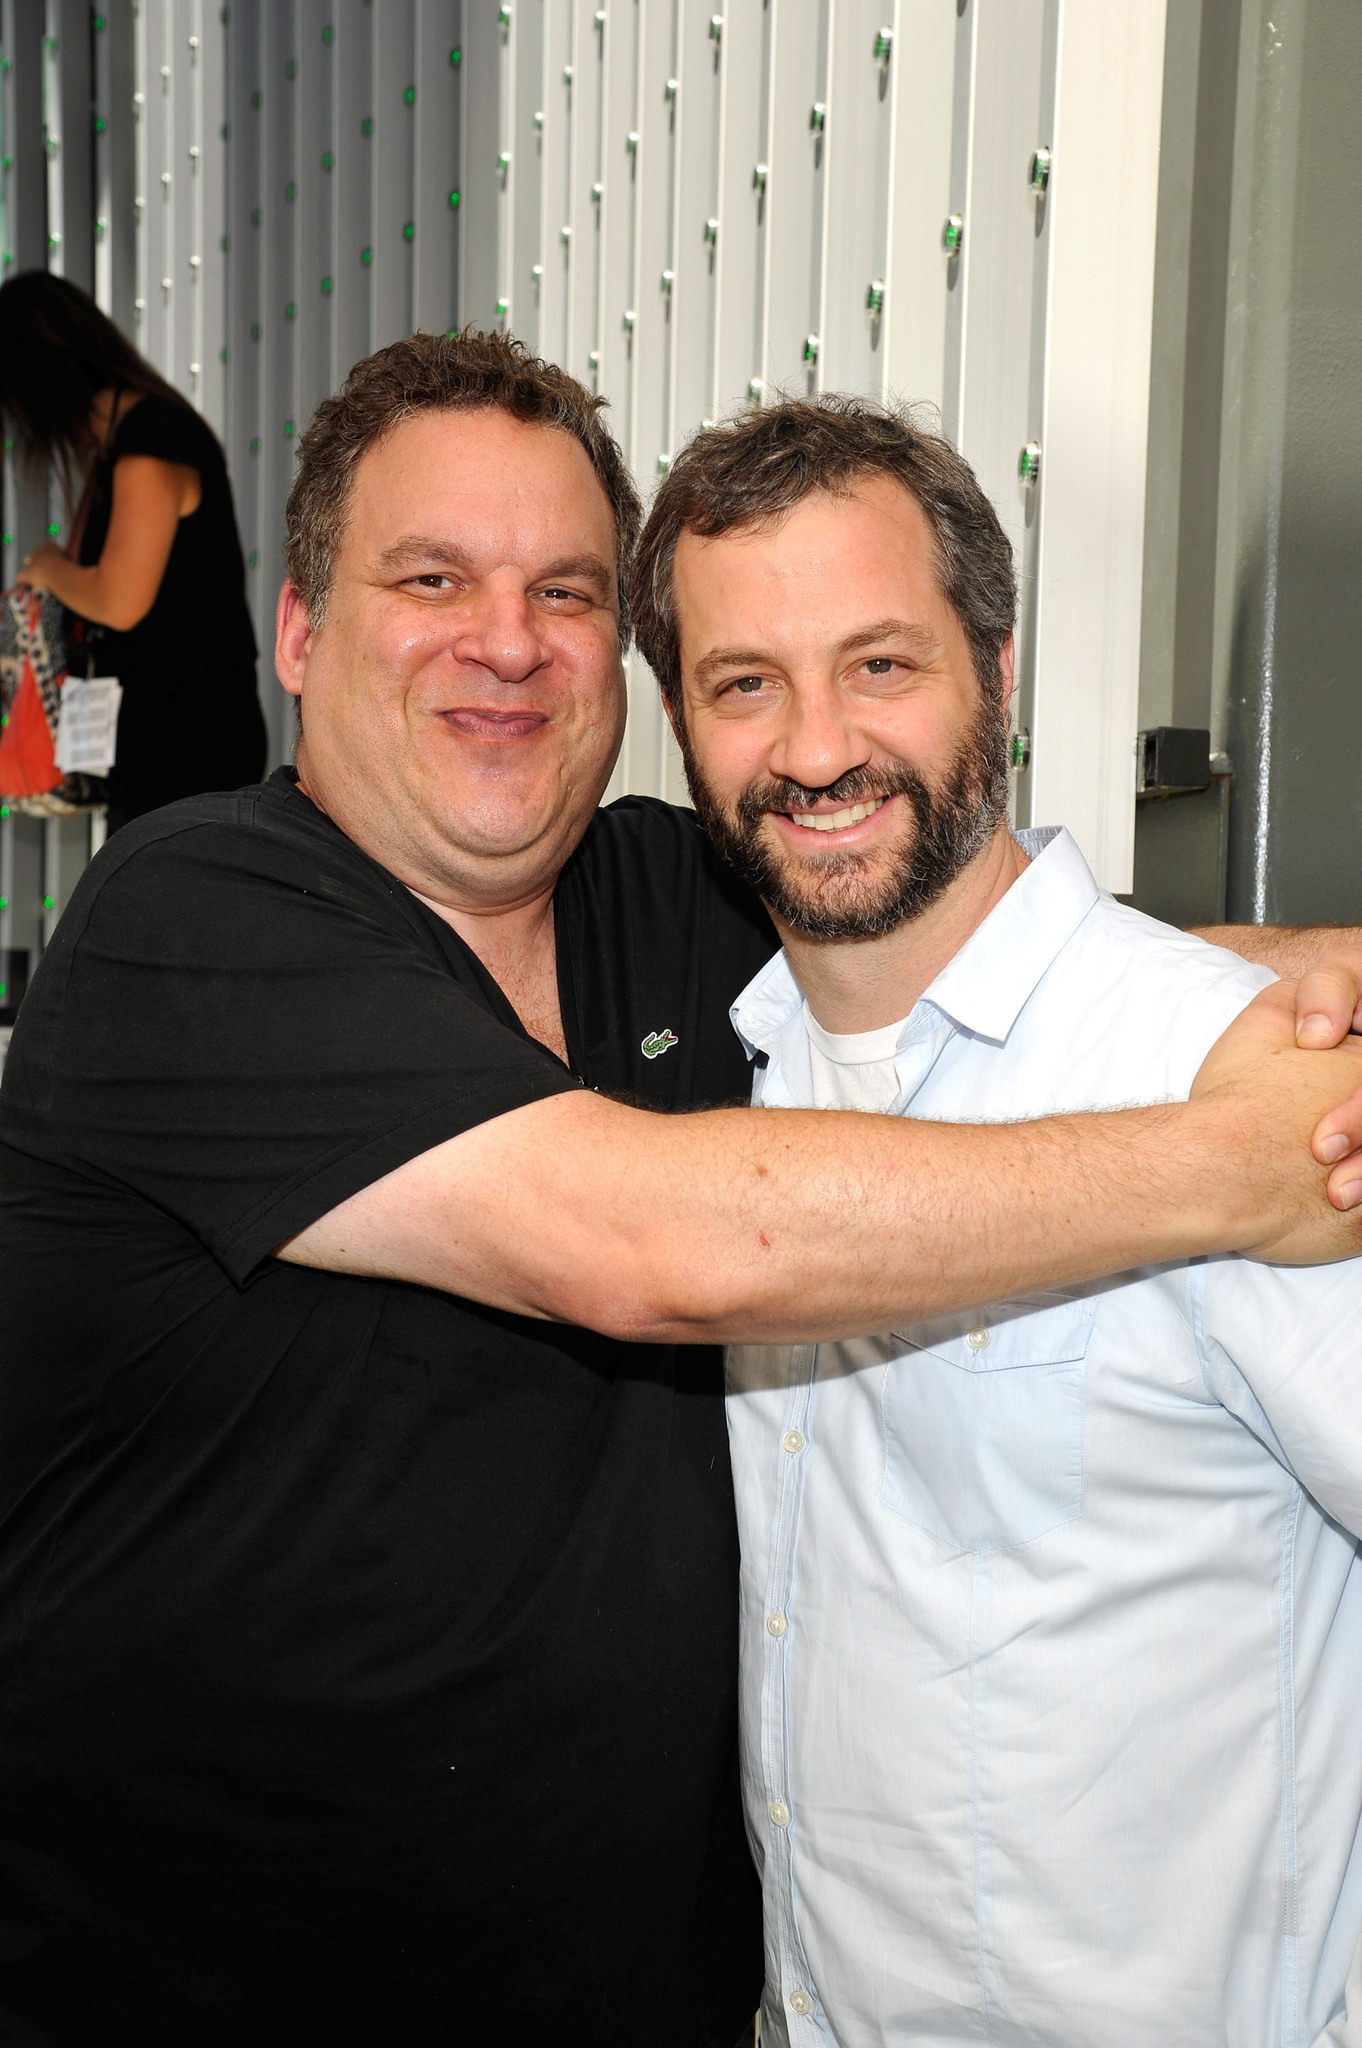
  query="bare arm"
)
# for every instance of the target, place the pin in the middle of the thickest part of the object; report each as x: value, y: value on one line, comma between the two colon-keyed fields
x: 1326, y: 957
x: 150, y: 497
x: 770, y: 1225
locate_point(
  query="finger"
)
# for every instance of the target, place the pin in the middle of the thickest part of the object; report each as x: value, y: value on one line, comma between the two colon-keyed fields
x: 1345, y: 1183
x: 1338, y: 1135
x: 1329, y: 1002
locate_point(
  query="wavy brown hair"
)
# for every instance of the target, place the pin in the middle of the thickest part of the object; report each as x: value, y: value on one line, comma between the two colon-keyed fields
x: 464, y: 372
x: 758, y: 466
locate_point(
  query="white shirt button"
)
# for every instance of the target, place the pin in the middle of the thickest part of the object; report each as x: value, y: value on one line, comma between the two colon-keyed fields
x: 779, y: 1813
x: 800, y: 2001
x: 793, y: 1440
x: 977, y: 1339
x: 776, y: 1624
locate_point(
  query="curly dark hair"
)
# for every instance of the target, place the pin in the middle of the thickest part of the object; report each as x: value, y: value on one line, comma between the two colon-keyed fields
x: 470, y: 371
x: 759, y: 465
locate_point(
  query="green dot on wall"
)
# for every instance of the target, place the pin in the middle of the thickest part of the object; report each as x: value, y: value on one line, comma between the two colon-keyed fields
x: 99, y: 23
x: 4, y: 903
x: 328, y: 34
x: 366, y: 126
x: 225, y: 244
x: 366, y: 255
x: 326, y: 286
x: 253, y: 559
x: 256, y: 216
x: 288, y: 430
x: 289, y: 310
x: 255, y: 330
x: 408, y: 230
x: 454, y: 197
x: 9, y: 540
x: 291, y: 68
x: 456, y: 56
x: 327, y: 160
x: 100, y: 124
x: 223, y: 354
x: 290, y: 191
x: 257, y: 99
x: 49, y: 903
x: 53, y: 528
x: 255, y: 444
x: 410, y: 95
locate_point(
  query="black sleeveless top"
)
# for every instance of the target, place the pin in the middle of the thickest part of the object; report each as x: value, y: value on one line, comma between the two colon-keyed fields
x: 190, y: 718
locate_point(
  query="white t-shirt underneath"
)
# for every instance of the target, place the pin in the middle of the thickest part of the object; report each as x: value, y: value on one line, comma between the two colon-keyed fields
x: 853, y: 1069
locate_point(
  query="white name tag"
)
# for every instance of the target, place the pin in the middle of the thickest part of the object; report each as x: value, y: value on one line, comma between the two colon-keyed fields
x: 87, y: 727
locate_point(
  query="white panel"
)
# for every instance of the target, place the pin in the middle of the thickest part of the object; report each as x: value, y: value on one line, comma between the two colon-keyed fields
x: 555, y: 181
x: 699, y: 74
x: 797, y: 151
x: 582, y: 216
x: 480, y: 79
x: 350, y: 60
x: 1103, y: 203
x: 209, y: 385
x: 618, y: 207
x: 394, y: 150
x: 997, y: 260
x: 439, y: 59
x: 739, y: 295
x: 859, y: 97
x: 920, y: 189
x: 527, y: 175
x: 654, y: 182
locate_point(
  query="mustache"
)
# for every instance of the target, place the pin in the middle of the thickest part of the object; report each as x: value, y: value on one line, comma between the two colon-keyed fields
x: 857, y: 785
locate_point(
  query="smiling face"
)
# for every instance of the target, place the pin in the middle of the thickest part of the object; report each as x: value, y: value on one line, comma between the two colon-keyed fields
x: 839, y: 746
x: 463, y: 698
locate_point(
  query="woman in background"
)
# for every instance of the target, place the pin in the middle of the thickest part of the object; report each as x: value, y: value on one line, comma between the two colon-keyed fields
x: 154, y: 567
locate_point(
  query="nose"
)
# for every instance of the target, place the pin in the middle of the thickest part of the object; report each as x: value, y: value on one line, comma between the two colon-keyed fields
x: 497, y: 629
x: 817, y: 740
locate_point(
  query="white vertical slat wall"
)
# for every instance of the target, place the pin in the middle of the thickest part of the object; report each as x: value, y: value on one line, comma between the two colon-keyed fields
x: 693, y: 205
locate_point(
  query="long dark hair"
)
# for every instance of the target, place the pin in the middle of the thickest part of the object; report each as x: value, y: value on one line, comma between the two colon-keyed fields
x: 57, y: 352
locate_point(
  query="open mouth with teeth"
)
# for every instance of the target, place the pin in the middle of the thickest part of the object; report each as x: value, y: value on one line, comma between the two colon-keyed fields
x: 836, y: 821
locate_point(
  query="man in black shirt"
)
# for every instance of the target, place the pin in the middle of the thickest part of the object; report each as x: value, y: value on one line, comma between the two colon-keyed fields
x: 367, y: 1623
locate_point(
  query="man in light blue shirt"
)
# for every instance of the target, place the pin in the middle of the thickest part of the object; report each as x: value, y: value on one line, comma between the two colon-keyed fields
x: 1052, y: 1611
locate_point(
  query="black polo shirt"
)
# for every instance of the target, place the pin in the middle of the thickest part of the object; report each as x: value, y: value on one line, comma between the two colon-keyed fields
x: 367, y: 1657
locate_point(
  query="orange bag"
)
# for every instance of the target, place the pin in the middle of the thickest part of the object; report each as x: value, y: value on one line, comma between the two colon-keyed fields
x: 32, y: 670
x: 28, y: 763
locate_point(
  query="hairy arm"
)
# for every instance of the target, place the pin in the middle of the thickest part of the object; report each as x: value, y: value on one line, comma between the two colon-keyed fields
x: 149, y: 499
x: 770, y: 1225
x: 1327, y: 958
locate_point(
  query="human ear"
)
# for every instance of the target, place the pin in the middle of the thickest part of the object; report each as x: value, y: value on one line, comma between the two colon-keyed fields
x: 292, y: 639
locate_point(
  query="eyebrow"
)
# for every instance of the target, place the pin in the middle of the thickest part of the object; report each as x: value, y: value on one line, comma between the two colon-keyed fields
x: 416, y: 552
x: 920, y: 637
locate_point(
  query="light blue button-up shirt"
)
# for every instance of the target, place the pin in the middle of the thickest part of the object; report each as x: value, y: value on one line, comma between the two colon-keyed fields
x: 1052, y: 1611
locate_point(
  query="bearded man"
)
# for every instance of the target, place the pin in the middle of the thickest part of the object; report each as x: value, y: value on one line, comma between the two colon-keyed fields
x: 1052, y: 1607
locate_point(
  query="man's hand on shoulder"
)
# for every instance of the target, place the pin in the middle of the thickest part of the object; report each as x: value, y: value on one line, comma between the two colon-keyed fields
x: 1274, y: 1095
x: 1326, y: 958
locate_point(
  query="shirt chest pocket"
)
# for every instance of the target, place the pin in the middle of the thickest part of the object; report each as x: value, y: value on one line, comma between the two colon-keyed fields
x: 983, y: 1421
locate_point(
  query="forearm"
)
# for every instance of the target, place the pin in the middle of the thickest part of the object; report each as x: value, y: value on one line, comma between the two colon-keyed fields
x: 781, y: 1225
x: 79, y: 588
x: 1290, y: 950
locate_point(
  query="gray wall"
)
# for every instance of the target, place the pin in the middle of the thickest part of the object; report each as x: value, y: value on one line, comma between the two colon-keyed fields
x: 1293, y: 667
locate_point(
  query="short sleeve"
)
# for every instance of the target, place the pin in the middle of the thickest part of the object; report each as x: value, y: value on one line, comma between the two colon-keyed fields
x: 1282, y: 1349
x: 158, y: 426
x: 245, y: 1028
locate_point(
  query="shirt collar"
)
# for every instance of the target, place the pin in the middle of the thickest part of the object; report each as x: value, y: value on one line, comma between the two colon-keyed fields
x: 986, y: 985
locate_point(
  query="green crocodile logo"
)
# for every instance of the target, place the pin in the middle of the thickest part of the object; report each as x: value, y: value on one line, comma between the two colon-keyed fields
x: 658, y: 1042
